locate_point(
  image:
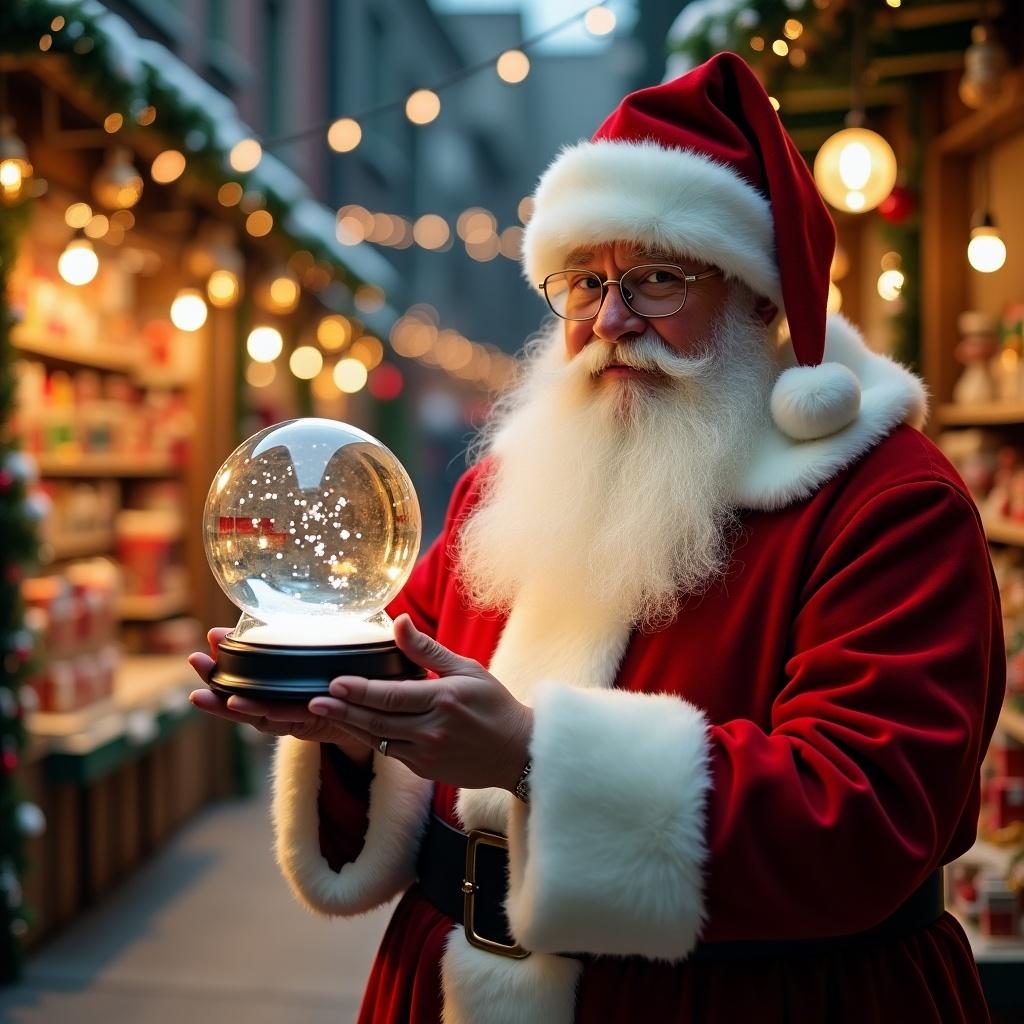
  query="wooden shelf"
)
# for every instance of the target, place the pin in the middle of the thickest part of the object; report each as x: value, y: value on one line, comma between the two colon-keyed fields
x: 146, y: 609
x: 150, y: 695
x: 112, y: 358
x: 1011, y: 721
x: 990, y: 414
x: 104, y: 465
x: 1004, y: 531
x: 82, y: 543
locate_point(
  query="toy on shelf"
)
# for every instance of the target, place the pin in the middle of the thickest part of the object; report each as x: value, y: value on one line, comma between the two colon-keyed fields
x: 984, y: 377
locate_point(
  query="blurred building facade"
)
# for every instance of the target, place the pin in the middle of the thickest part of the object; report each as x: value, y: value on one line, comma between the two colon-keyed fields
x: 292, y: 66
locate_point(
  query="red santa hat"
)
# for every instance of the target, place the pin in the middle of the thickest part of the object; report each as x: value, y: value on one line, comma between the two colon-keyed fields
x: 701, y: 165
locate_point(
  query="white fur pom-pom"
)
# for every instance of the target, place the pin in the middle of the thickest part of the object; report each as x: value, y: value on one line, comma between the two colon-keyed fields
x: 809, y: 402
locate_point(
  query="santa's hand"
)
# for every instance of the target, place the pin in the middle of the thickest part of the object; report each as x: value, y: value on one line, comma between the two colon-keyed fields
x: 274, y: 718
x: 463, y: 728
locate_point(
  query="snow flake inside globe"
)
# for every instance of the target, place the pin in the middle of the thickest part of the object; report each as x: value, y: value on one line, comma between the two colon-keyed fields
x: 311, y: 527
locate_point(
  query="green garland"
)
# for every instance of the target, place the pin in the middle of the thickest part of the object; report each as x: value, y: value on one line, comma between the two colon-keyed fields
x: 91, y: 55
x: 18, y: 553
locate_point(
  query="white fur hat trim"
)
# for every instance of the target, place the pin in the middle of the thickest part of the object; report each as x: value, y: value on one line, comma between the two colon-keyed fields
x: 810, y: 402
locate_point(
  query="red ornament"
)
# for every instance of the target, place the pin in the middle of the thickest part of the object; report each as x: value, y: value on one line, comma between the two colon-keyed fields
x: 6, y: 479
x: 386, y: 382
x: 898, y: 205
x: 9, y: 761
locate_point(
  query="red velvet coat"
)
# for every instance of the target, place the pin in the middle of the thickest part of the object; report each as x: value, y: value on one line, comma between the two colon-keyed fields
x: 789, y: 759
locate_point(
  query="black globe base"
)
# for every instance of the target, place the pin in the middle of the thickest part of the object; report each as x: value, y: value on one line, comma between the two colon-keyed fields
x: 301, y: 673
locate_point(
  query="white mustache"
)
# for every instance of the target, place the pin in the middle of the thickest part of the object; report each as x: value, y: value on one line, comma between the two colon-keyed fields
x: 648, y: 352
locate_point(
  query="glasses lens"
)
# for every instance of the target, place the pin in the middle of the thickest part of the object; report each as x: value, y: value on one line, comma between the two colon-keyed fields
x: 574, y: 294
x: 654, y: 290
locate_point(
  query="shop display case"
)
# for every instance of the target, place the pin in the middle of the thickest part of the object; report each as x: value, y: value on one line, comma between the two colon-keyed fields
x: 972, y: 359
x: 111, y: 400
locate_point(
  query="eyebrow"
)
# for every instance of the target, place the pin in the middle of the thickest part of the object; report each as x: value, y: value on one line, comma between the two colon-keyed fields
x: 578, y: 257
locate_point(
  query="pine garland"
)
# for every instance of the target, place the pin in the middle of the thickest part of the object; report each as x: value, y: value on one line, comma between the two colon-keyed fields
x: 18, y: 553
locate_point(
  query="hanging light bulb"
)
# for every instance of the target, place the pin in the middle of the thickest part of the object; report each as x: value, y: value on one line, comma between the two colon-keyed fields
x: 281, y: 292
x: 188, y: 310
x: 985, y: 65
x: 855, y: 169
x: 223, y: 288
x: 986, y: 251
x: 15, y: 169
x: 78, y: 263
x: 118, y: 185
x: 264, y: 344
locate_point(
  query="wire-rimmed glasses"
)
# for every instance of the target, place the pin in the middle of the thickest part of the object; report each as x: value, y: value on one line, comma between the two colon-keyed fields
x: 650, y: 290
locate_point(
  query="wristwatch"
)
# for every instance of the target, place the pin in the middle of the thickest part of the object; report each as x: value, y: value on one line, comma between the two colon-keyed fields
x: 522, y: 790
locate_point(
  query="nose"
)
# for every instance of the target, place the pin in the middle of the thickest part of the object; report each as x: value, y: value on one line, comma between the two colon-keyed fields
x: 615, y: 320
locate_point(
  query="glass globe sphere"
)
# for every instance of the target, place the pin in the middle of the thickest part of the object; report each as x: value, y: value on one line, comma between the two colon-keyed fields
x: 311, y: 527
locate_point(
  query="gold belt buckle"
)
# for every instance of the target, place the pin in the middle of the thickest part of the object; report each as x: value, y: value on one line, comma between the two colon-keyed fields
x: 477, y: 838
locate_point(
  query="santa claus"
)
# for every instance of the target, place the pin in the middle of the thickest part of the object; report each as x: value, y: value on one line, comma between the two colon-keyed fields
x: 715, y: 643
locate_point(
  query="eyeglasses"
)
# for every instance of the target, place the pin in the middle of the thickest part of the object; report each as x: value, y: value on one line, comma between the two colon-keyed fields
x: 651, y: 290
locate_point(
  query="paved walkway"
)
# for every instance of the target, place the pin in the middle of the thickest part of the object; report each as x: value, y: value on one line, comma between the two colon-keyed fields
x: 204, y: 933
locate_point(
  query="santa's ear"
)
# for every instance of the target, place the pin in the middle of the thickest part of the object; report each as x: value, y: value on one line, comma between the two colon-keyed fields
x: 765, y: 310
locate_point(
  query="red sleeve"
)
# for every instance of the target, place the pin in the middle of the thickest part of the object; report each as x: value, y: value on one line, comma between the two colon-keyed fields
x: 868, y: 779
x: 343, y: 803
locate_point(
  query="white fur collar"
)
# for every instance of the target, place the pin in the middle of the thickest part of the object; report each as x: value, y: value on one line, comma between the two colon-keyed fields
x: 783, y: 470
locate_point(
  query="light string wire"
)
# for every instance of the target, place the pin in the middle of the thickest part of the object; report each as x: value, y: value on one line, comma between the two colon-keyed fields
x: 444, y: 83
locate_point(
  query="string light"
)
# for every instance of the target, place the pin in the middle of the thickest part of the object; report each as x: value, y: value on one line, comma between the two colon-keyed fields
x: 344, y: 135
x: 98, y: 226
x: 168, y: 166
x: 229, y: 194
x: 260, y: 375
x: 259, y: 223
x: 792, y: 29
x: 368, y: 350
x: 599, y: 21
x: 188, y: 310
x: 513, y: 66
x: 146, y: 116
x: 525, y: 209
x: 780, y: 47
x: 757, y: 43
x: 245, y: 156
x: 986, y: 251
x: 333, y: 333
x: 431, y: 231
x: 306, y: 362
x: 422, y: 107
x: 855, y: 169
x: 78, y: 263
x: 264, y: 344
x: 223, y: 288
x: 113, y: 123
x: 350, y: 376
x: 281, y: 293
x: 15, y: 168
x: 118, y: 185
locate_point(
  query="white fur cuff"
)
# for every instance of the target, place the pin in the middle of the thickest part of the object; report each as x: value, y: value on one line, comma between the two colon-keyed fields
x: 399, y: 804
x: 608, y: 858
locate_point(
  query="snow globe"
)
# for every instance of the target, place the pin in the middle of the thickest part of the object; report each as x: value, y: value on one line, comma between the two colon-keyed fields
x: 311, y: 527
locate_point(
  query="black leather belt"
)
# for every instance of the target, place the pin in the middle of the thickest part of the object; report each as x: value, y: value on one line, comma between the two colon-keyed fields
x: 465, y: 877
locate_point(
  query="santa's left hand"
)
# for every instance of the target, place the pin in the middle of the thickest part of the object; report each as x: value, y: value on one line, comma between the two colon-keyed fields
x: 463, y: 728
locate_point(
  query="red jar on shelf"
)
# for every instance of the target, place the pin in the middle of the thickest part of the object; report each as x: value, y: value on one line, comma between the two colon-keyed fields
x: 146, y: 542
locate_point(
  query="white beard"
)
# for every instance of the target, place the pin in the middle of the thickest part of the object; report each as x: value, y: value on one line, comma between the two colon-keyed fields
x: 616, y: 494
